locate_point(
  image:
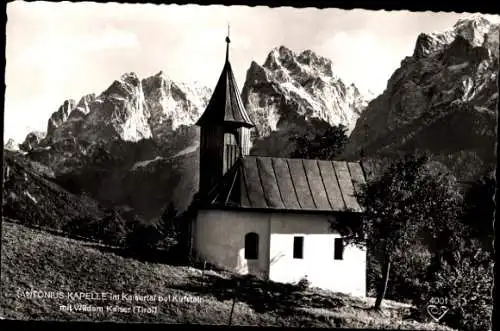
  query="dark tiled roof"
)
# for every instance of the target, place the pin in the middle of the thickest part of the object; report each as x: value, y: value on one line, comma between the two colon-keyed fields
x: 289, y: 184
x: 226, y: 105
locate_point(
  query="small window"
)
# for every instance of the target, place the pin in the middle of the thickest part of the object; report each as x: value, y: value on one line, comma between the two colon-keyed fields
x: 339, y: 249
x: 298, y: 247
x: 251, y: 246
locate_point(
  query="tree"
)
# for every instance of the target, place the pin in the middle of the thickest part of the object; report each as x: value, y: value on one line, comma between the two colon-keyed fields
x: 467, y: 279
x: 112, y: 229
x: 323, y: 146
x: 468, y: 284
x: 142, y: 238
x: 169, y: 221
x: 407, y: 204
x: 480, y: 209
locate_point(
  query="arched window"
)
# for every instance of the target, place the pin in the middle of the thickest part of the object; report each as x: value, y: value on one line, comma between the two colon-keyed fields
x: 251, y: 246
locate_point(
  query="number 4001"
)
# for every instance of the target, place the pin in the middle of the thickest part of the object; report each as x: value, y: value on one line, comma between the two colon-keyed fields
x: 438, y: 301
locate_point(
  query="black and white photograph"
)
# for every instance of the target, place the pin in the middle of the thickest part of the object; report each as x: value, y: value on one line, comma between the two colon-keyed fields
x: 249, y: 166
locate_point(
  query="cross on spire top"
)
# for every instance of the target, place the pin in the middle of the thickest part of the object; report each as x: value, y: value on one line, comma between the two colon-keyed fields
x: 227, y: 41
x: 227, y: 37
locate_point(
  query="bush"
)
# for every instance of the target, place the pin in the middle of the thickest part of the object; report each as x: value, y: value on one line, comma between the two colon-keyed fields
x: 169, y: 222
x: 409, y: 267
x: 142, y: 238
x: 110, y: 229
x: 303, y: 284
x: 323, y: 146
x: 468, y: 284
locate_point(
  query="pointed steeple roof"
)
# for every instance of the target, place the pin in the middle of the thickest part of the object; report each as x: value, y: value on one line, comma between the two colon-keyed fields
x: 226, y: 106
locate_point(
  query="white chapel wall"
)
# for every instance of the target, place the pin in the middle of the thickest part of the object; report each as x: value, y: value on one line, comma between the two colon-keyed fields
x: 347, y: 275
x: 220, y: 238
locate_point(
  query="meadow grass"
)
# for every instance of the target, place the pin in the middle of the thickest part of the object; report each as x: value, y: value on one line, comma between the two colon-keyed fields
x: 36, y: 260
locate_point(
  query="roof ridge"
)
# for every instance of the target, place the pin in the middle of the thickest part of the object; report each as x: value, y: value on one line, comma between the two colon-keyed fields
x: 301, y: 158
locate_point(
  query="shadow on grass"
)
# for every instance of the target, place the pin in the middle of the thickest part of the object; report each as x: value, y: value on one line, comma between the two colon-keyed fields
x: 261, y: 295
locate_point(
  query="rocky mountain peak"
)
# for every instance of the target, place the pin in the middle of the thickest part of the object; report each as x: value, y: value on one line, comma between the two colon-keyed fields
x: 441, y: 100
x: 130, y: 79
x: 428, y: 44
x: 475, y: 30
x: 277, y: 56
x: 83, y: 106
x: 321, y: 64
x: 127, y: 84
x: 11, y: 145
x: 130, y: 109
x: 155, y: 82
x: 306, y: 62
x: 60, y: 116
x: 294, y: 89
x: 32, y: 140
x: 256, y: 73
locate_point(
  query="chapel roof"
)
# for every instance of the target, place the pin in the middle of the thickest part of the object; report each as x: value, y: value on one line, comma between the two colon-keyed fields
x: 285, y: 184
x: 225, y: 106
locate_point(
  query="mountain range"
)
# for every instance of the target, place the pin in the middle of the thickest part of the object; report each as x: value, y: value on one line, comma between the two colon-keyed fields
x: 135, y: 144
x: 295, y: 93
x: 442, y: 100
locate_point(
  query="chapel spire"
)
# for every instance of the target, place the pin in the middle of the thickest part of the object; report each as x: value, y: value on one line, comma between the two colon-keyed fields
x: 225, y: 106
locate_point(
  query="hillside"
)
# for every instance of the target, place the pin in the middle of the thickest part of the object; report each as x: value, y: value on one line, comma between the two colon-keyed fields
x: 442, y: 100
x: 32, y: 197
x: 33, y: 260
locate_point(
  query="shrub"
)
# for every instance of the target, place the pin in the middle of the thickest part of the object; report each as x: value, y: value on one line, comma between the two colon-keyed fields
x: 323, y: 146
x: 468, y: 284
x: 169, y: 222
x: 303, y: 284
x: 110, y: 229
x: 142, y: 238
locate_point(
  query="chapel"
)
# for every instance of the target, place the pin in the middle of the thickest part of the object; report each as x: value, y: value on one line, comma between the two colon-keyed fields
x: 281, y: 219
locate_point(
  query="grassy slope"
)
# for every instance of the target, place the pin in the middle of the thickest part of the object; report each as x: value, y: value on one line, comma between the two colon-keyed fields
x: 31, y: 196
x: 33, y: 259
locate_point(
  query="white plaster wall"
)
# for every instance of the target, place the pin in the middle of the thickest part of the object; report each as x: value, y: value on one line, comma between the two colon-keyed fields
x: 220, y: 238
x: 318, y: 263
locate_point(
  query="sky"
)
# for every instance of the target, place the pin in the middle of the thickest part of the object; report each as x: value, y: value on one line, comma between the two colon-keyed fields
x: 59, y: 51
